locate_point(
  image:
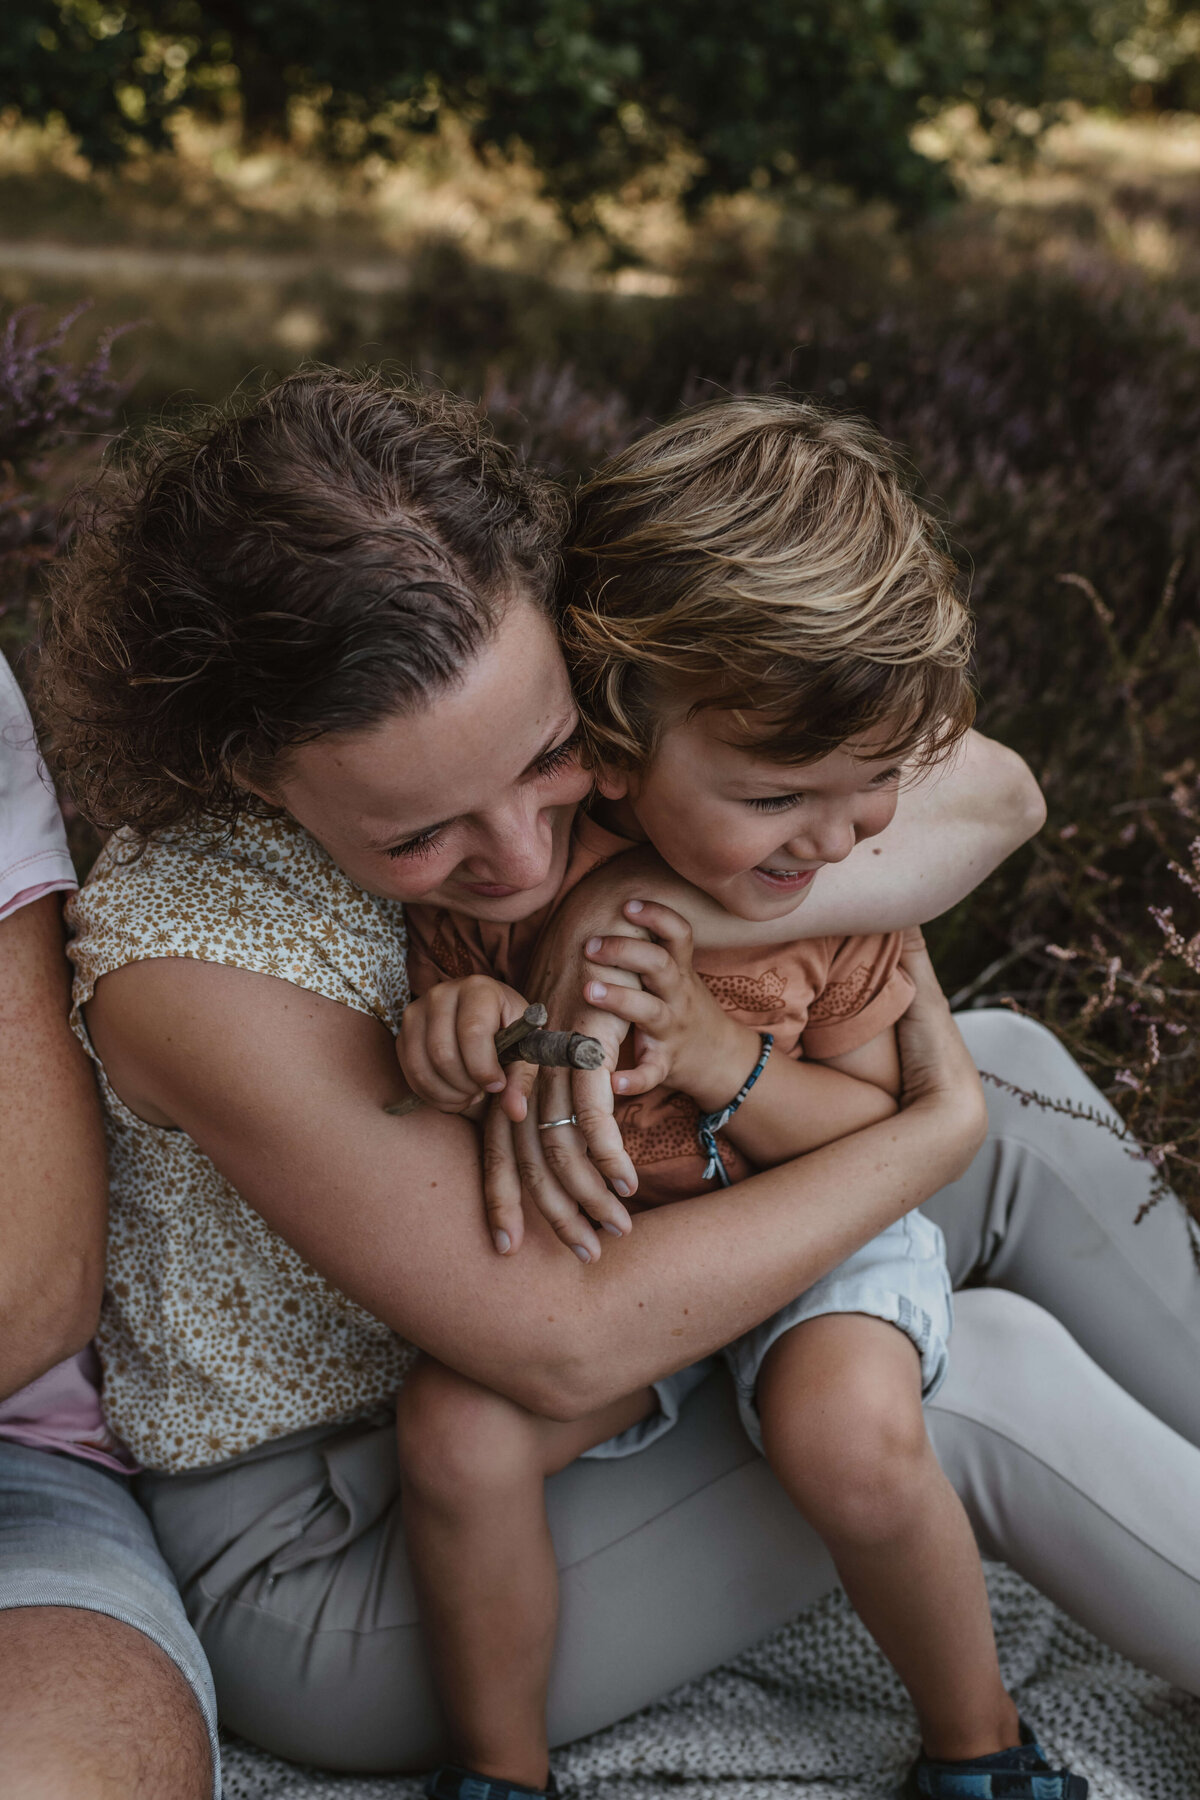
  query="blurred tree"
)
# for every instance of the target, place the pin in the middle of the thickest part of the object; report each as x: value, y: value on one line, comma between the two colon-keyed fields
x: 752, y: 91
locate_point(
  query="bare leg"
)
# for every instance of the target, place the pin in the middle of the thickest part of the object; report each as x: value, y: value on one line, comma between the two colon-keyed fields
x: 840, y: 1403
x: 473, y: 1467
x: 90, y: 1709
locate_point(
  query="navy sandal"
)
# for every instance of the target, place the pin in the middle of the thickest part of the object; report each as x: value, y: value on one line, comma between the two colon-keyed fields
x: 450, y: 1783
x: 1021, y: 1773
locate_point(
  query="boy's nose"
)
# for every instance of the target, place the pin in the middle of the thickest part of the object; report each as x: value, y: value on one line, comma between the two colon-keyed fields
x: 829, y: 841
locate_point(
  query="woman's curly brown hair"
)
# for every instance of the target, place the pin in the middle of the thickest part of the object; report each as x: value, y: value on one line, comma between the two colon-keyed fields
x: 307, y: 560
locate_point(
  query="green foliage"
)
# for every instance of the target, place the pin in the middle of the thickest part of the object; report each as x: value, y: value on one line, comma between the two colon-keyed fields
x: 751, y: 91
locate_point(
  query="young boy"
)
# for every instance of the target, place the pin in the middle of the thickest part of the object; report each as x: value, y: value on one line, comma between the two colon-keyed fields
x: 764, y: 633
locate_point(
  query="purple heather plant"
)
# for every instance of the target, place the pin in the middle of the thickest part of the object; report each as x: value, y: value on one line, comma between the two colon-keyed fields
x: 55, y: 416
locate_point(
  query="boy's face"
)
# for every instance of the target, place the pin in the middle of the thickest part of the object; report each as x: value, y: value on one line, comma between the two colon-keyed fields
x: 751, y: 833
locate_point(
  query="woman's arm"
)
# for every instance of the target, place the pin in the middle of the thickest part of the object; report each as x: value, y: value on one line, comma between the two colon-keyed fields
x: 54, y: 1208
x: 950, y: 830
x: 285, y: 1091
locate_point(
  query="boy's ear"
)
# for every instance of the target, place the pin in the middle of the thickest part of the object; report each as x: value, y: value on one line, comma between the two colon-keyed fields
x: 612, y: 783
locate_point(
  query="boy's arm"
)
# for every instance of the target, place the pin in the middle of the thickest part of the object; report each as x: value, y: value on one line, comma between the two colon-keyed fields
x: 798, y: 1106
x: 877, y: 1062
x: 689, y: 1042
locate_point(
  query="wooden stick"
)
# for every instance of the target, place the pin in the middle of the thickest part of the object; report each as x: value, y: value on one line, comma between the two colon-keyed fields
x: 556, y: 1050
x: 525, y: 1041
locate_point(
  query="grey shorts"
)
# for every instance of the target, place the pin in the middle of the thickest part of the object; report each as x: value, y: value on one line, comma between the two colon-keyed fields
x: 71, y: 1534
x: 900, y: 1276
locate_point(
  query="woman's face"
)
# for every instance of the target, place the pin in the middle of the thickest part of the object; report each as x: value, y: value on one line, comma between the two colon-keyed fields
x: 467, y: 803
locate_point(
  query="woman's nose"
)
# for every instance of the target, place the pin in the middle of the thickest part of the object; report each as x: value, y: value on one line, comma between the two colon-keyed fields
x: 517, y: 851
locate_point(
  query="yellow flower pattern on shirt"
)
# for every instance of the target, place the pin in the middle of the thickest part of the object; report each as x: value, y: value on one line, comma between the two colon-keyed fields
x: 215, y: 1334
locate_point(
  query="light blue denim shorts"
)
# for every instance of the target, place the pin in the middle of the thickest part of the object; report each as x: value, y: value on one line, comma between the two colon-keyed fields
x: 900, y: 1276
x: 71, y: 1534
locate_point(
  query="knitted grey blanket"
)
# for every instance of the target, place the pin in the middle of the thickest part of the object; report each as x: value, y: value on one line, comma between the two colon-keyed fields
x: 815, y: 1711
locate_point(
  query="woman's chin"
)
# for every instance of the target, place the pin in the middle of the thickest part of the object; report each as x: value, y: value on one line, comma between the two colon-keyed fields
x: 497, y: 905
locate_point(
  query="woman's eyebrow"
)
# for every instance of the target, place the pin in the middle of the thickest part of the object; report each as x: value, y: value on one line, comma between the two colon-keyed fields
x: 388, y: 840
x: 565, y: 728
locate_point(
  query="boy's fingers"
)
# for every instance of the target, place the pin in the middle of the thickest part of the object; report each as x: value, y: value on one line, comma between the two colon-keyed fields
x: 637, y: 1005
x: 502, y: 1183
x: 651, y: 1072
x: 477, y: 1045
x: 637, y: 956
x: 484, y: 1006
x: 442, y: 1050
x: 520, y: 1082
x: 426, y: 1082
x: 663, y: 922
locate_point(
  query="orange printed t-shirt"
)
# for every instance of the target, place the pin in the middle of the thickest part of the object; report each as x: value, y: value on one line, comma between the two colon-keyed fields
x: 819, y: 997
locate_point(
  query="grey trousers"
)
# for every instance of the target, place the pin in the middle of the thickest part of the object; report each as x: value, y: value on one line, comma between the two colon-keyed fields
x: 1069, y: 1424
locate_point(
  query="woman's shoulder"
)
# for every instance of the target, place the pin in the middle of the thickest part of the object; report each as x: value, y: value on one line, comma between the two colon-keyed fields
x: 263, y: 896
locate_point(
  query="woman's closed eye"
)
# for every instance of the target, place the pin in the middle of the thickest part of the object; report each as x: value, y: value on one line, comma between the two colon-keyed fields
x: 558, y: 759
x: 429, y: 841
x: 424, y: 844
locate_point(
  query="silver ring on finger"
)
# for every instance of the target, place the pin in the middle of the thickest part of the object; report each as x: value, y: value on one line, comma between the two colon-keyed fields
x: 549, y: 1124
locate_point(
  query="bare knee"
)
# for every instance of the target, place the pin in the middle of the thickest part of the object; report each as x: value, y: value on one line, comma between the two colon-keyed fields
x: 458, y: 1440
x: 91, y: 1709
x: 852, y: 1450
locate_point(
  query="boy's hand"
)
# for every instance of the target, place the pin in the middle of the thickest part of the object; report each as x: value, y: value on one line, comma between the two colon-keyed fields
x: 447, y: 1046
x: 681, y: 1034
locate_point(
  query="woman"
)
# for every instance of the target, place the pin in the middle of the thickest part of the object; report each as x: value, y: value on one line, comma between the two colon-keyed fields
x: 306, y: 660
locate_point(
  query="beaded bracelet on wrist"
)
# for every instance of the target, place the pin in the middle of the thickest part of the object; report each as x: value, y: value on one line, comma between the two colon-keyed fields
x: 712, y: 1122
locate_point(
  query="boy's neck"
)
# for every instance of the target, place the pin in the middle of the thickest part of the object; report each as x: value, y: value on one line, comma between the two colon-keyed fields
x: 617, y: 816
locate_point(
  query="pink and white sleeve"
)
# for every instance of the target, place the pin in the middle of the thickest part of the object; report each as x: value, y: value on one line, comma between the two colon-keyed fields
x: 34, y: 858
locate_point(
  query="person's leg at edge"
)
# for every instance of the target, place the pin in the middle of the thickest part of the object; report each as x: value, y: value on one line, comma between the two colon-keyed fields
x: 1049, y: 1209
x: 839, y: 1399
x: 473, y: 1468
x: 91, y: 1709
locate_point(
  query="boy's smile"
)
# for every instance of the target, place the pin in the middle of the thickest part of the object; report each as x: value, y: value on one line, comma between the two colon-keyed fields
x: 751, y: 833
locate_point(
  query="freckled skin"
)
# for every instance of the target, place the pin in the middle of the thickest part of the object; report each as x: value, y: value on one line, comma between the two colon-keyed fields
x: 497, y: 816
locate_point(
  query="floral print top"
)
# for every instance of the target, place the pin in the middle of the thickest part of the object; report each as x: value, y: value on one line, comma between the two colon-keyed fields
x: 215, y: 1334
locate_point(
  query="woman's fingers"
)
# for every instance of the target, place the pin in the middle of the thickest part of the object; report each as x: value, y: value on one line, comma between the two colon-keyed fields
x: 502, y: 1182
x: 540, y: 1184
x: 565, y: 1148
x: 936, y: 1065
x: 592, y: 1104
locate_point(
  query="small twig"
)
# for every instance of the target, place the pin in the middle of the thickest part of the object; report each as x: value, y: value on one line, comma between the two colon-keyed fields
x: 525, y: 1041
x: 993, y: 969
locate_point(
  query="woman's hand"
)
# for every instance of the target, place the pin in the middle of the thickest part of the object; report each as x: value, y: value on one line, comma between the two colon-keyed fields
x: 937, y: 1072
x: 580, y: 1173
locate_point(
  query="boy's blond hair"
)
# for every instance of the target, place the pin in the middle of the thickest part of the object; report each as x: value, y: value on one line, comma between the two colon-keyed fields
x: 764, y: 556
